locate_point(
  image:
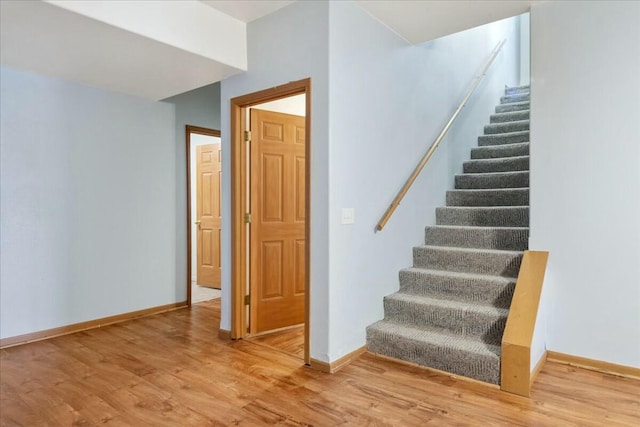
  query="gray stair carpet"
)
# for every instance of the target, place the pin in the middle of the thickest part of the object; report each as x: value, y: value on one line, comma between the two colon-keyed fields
x: 452, y: 305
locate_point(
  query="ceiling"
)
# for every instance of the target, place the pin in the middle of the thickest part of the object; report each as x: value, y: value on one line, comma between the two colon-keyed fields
x: 416, y: 21
x: 42, y: 36
x: 247, y: 10
x: 420, y: 21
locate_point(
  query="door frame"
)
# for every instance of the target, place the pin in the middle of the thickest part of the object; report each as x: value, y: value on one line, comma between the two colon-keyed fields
x: 239, y: 247
x: 189, y: 129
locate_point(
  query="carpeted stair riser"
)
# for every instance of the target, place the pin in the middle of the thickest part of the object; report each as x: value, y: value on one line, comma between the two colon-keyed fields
x: 499, y: 216
x: 508, y: 164
x: 480, y: 289
x: 510, y: 116
x: 506, y: 127
x: 503, y: 138
x: 445, y: 352
x: 480, y: 261
x: 492, y: 180
x: 499, y: 238
x: 500, y: 151
x: 476, y: 321
x: 516, y: 97
x: 516, y: 106
x: 517, y: 89
x: 489, y: 197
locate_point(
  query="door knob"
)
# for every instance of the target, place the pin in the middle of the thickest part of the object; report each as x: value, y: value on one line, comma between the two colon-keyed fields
x: 197, y: 223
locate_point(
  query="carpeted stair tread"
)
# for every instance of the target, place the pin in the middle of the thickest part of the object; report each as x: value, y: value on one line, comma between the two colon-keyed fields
x: 509, y: 116
x: 471, y: 287
x: 515, y: 106
x: 469, y: 181
x: 517, y: 89
x: 467, y: 260
x: 483, y: 216
x: 480, y: 322
x: 426, y: 301
x: 503, y: 138
x: 446, y: 352
x: 515, y: 97
x: 500, y: 238
x: 505, y: 127
x: 500, y: 151
x: 504, y: 164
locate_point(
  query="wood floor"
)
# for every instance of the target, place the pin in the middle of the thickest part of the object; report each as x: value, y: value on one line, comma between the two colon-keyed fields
x: 173, y: 370
x: 290, y: 341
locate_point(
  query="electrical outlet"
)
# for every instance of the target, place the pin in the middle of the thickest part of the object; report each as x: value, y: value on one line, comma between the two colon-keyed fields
x: 348, y: 215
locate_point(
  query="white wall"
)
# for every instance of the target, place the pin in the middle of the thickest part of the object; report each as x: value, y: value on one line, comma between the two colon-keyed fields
x: 290, y: 44
x: 525, y: 49
x: 388, y: 102
x: 87, y: 196
x: 198, y: 107
x: 585, y: 175
x: 295, y: 105
x: 196, y: 139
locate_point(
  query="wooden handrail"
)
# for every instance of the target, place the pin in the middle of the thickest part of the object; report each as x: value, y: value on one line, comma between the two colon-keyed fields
x: 432, y: 149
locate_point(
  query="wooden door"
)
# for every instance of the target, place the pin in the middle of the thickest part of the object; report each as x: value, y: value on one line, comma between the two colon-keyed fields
x: 208, y: 210
x: 277, y: 220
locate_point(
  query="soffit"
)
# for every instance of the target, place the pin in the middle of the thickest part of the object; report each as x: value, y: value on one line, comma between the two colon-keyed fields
x: 44, y: 38
x: 247, y: 10
x: 420, y: 21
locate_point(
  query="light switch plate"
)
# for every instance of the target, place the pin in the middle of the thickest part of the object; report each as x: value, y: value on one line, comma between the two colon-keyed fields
x: 348, y: 215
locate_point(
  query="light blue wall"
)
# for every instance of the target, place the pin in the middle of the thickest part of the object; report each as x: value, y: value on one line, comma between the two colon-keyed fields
x: 199, y: 107
x: 87, y: 199
x: 585, y: 175
x: 388, y: 102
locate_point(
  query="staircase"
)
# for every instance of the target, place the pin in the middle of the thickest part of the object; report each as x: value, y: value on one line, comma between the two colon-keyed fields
x: 452, y: 306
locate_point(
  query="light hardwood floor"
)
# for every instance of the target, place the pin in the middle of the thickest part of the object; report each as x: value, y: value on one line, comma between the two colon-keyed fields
x: 289, y: 341
x: 172, y: 369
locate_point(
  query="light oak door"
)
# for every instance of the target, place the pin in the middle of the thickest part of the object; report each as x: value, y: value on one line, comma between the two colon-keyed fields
x: 208, y: 185
x: 277, y: 220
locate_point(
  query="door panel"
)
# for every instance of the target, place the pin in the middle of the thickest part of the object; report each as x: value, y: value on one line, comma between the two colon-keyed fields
x: 278, y: 220
x: 272, y: 263
x: 299, y: 189
x: 299, y: 262
x: 208, y: 173
x: 272, y: 188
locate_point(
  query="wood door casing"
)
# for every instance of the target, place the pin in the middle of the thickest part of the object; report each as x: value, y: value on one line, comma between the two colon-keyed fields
x: 278, y: 246
x: 208, y: 192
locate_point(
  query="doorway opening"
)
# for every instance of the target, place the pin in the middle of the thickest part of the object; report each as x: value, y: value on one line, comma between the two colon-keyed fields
x: 203, y: 213
x: 270, y: 212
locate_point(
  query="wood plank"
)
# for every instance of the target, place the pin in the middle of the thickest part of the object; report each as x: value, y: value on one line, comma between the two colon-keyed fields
x: 595, y: 365
x: 91, y: 324
x: 515, y: 364
x: 290, y: 340
x: 172, y: 369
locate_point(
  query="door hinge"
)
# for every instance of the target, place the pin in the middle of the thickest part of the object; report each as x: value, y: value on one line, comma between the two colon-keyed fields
x: 247, y: 135
x: 247, y: 218
x: 247, y: 299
